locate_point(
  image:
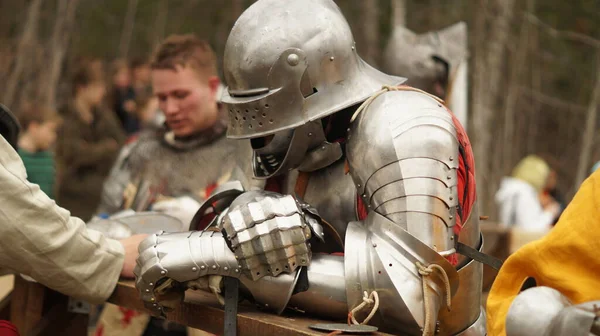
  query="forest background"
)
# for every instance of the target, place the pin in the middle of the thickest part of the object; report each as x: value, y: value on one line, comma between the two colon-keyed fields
x: 534, y: 76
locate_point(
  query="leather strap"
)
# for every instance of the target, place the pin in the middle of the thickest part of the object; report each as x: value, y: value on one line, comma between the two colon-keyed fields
x: 476, y: 255
x: 231, y: 305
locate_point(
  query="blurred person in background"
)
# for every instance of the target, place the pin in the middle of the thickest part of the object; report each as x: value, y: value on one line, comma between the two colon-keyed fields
x: 518, y: 198
x: 141, y: 76
x: 172, y: 168
x: 88, y: 143
x: 552, y: 194
x: 148, y: 112
x: 38, y: 136
x: 122, y: 96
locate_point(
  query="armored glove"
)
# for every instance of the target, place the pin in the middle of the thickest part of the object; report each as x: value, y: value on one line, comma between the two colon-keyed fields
x: 263, y: 234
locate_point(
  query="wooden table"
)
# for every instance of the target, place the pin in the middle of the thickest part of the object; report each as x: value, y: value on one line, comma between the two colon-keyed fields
x: 200, y: 310
x: 36, y: 310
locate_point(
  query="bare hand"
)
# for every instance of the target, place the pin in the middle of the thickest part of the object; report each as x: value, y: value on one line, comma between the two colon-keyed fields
x: 131, y: 253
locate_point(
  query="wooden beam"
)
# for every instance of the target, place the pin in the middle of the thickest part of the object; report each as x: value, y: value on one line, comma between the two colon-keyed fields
x: 200, y: 310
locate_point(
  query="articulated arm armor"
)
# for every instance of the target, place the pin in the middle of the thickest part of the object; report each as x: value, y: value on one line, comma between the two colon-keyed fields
x: 403, y: 155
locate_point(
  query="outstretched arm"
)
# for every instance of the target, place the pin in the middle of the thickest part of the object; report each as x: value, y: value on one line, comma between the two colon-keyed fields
x: 42, y: 240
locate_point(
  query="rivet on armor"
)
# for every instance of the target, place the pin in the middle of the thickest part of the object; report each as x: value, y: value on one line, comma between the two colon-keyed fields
x: 202, y: 267
x: 152, y: 299
x: 147, y: 291
x: 451, y: 198
x: 237, y: 270
x: 155, y: 304
x: 194, y: 269
x: 331, y: 58
x: 151, y: 284
x: 293, y: 59
x: 374, y: 244
x: 309, y: 134
x: 353, y: 48
x: 450, y: 217
x: 226, y: 268
x: 449, y: 177
x: 451, y: 158
x: 214, y: 267
x: 163, y: 272
x: 451, y: 237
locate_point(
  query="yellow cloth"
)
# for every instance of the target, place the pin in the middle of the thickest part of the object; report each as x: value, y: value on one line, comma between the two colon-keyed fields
x: 567, y: 259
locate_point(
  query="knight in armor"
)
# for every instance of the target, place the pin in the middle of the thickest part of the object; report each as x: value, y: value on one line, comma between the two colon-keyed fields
x: 347, y: 160
x: 171, y: 168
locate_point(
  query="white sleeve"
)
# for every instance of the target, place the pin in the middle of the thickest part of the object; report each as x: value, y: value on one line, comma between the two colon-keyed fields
x: 529, y: 214
x: 40, y: 239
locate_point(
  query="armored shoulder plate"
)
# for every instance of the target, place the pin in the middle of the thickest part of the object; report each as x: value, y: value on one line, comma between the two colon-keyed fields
x: 403, y: 157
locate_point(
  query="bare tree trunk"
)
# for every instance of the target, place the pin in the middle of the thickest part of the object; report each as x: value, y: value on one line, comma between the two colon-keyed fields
x: 128, y: 25
x: 161, y: 21
x: 63, y: 27
x: 28, y: 39
x: 370, y: 8
x: 399, y: 12
x: 512, y: 95
x: 536, y: 82
x: 487, y: 81
x: 590, y: 128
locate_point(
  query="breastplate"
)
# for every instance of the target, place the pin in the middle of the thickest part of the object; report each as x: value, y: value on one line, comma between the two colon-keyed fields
x: 331, y: 192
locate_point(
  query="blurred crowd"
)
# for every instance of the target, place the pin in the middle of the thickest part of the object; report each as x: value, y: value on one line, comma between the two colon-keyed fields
x: 70, y: 151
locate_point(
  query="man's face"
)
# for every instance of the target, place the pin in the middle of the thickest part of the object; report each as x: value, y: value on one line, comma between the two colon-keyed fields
x: 187, y: 100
